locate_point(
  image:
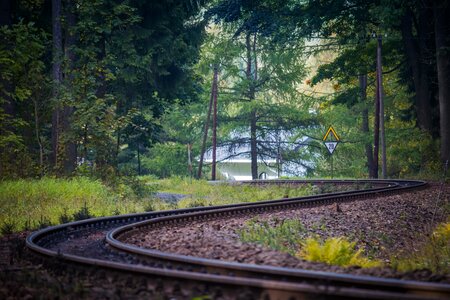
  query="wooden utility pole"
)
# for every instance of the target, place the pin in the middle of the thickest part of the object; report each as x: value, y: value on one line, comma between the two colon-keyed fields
x: 381, y: 107
x: 214, y: 129
x: 206, y: 129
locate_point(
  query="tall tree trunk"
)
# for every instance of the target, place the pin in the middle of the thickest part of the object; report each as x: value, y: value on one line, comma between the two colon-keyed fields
x: 365, y: 122
x: 57, y: 79
x: 415, y: 53
x: 381, y: 104
x: 139, y: 160
x: 376, y: 136
x: 253, y: 145
x: 441, y: 9
x: 214, y: 129
x: 251, y: 95
x: 206, y: 127
x: 70, y: 153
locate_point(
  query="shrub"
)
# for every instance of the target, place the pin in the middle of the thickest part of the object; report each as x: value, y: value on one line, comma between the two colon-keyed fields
x: 335, y: 251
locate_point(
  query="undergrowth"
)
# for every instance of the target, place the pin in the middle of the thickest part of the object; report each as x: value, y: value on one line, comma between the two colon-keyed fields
x: 290, y: 236
x: 434, y: 254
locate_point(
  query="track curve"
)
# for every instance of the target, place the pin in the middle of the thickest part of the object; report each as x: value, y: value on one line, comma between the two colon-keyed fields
x: 272, y: 282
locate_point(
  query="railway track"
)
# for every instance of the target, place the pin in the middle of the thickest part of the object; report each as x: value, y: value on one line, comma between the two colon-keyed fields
x: 108, y: 251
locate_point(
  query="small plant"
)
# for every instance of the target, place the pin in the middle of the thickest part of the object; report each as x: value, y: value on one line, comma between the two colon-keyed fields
x: 44, y: 222
x: 434, y: 255
x: 283, y: 236
x: 64, y: 217
x: 335, y: 251
x: 7, y: 227
x: 149, y: 207
x: 116, y: 212
x: 82, y: 214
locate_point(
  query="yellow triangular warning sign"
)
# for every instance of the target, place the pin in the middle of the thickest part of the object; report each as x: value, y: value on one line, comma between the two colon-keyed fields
x: 331, y: 130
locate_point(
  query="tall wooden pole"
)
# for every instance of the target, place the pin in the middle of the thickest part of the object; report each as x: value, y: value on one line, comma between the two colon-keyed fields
x: 381, y: 104
x: 214, y: 136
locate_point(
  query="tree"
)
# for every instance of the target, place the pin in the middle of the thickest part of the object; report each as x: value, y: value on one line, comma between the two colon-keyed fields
x: 441, y: 11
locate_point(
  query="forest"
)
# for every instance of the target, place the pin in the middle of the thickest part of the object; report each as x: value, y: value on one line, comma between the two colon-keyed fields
x: 110, y: 88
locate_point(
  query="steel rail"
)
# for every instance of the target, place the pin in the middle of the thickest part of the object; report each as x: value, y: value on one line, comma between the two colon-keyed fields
x: 298, y: 282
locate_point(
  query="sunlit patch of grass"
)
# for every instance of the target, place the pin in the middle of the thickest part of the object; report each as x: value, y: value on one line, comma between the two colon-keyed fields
x: 30, y: 204
x: 202, y: 193
x: 335, y: 251
x: 433, y: 255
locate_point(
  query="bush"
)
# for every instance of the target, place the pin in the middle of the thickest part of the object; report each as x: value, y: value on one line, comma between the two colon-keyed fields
x: 335, y: 251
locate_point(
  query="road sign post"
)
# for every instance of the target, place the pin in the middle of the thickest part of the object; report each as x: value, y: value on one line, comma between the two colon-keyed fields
x: 331, y: 140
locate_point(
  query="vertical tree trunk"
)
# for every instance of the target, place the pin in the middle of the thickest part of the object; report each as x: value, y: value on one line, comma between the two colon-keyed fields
x: 38, y: 136
x: 251, y: 95
x: 70, y: 154
x: 206, y: 127
x: 57, y: 78
x: 415, y: 52
x: 139, y: 160
x: 376, y: 136
x: 214, y: 129
x: 381, y: 104
x: 441, y: 9
x: 365, y: 122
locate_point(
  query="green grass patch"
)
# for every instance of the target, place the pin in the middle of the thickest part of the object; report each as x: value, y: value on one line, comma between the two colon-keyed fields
x: 434, y: 254
x: 30, y: 204
x: 283, y: 235
x: 202, y: 193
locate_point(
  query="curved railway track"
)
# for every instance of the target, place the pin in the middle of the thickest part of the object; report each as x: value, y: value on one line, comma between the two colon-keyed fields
x: 265, y: 282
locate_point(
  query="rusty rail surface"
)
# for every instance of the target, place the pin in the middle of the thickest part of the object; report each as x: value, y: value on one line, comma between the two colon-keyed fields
x: 272, y: 281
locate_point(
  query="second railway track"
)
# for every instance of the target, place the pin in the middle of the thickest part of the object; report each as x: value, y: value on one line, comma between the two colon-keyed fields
x: 106, y: 250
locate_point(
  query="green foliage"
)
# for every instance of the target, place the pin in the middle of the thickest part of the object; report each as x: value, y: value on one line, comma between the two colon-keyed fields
x: 433, y: 255
x: 166, y: 160
x: 284, y: 235
x: 23, y: 88
x: 335, y: 251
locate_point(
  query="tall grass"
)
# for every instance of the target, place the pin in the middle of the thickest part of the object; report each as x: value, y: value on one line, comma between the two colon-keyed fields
x: 27, y: 204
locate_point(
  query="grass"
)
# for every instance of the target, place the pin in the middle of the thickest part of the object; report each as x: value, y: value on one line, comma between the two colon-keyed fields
x: 30, y: 204
x: 201, y: 193
x: 283, y: 236
x: 433, y: 255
